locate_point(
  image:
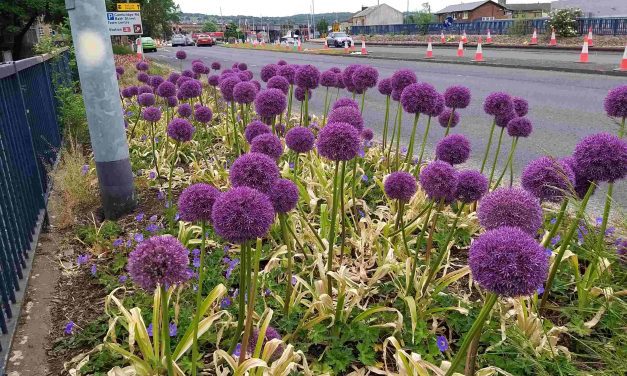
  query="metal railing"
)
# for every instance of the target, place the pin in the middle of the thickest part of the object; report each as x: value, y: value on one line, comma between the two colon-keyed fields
x: 30, y: 138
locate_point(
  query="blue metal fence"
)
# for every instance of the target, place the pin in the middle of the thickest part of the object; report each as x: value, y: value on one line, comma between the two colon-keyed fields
x: 30, y: 138
x: 600, y: 26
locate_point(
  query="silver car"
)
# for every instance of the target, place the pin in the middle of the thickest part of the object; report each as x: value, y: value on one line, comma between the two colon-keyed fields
x: 337, y: 39
x: 179, y: 40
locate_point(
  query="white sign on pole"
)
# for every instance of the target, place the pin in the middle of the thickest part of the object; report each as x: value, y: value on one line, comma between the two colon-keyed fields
x: 125, y: 23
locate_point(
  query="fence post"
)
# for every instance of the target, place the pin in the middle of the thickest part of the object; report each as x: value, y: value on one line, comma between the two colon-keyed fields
x: 94, y: 57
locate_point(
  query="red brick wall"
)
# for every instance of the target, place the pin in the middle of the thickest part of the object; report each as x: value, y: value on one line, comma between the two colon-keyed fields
x: 487, y: 10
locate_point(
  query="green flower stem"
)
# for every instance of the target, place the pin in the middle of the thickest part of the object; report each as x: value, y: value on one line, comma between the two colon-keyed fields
x: 342, y: 209
x: 510, y: 158
x: 172, y: 164
x: 399, y: 120
x: 339, y: 305
x: 487, y: 149
x: 474, y: 331
x: 565, y: 243
x: 401, y: 222
x: 556, y: 225
x: 201, y: 278
x: 296, y: 158
x: 235, y: 131
x: 450, y: 120
x: 288, y: 243
x: 496, y: 155
x: 363, y: 99
x: 410, y: 282
x: 326, y: 106
x: 302, y: 104
x: 165, y: 331
x: 139, y: 112
x: 154, y: 151
x: 306, y: 116
x: 410, y: 147
x: 389, y: 151
x: 422, y: 212
x: 252, y: 291
x: 241, y: 309
x: 289, y: 103
x: 424, y: 142
x: 215, y: 97
x: 354, y: 166
x: 386, y: 121
x: 331, y: 239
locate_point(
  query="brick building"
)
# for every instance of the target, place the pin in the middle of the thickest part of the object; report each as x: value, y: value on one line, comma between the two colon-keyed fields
x: 476, y: 11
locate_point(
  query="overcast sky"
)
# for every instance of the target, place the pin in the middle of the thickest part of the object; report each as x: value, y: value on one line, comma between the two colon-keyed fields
x: 288, y: 8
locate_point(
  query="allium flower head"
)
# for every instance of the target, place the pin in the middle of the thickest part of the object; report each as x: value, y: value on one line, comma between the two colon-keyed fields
x: 180, y: 130
x: 242, y: 66
x: 270, y: 102
x: 244, y: 92
x: 143, y: 77
x: 548, y: 179
x: 227, y: 85
x: 257, y: 84
x: 339, y: 81
x: 279, y: 82
x: 196, y: 201
x: 267, y: 144
x: 581, y: 182
x: 271, y: 334
x: 328, y: 79
x: 513, y: 207
x: 166, y: 89
x: 348, y: 115
x: 385, y: 86
x: 338, y: 142
x: 300, y: 139
x: 171, y: 101
x: 145, y: 89
x: 254, y: 129
x: 284, y: 195
x: 156, y: 80
x: 344, y: 102
x: 521, y: 106
x: 347, y: 77
x: 173, y: 77
x: 419, y: 98
x: 498, y: 103
x: 245, y: 75
x: 601, y: 157
x: 503, y: 119
x: 457, y: 96
x: 281, y: 62
x: 203, y: 114
x: 519, y: 127
x: 365, y: 77
x: 287, y: 71
x: 367, y: 134
x: 615, y: 102
x: 307, y: 76
x: 439, y: 180
x: 215, y: 66
x: 445, y: 117
x: 181, y: 55
x: 184, y: 110
x: 453, y: 149
x: 242, y: 214
x: 254, y: 170
x: 300, y: 92
x: 181, y: 80
x: 142, y: 65
x: 400, y: 185
x: 190, y: 89
x: 213, y: 80
x: 119, y: 70
x: 160, y: 260
x: 146, y: 99
x: 151, y: 114
x: 471, y: 186
x: 267, y: 72
x: 396, y: 95
x: 508, y: 262
x: 403, y: 78
x: 438, y: 106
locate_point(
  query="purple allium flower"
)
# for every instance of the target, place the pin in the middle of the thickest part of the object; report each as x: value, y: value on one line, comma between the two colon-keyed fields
x: 581, y: 182
x: 267, y: 144
x: 281, y: 62
x: 519, y: 127
x: 242, y: 66
x: 184, y: 110
x: 172, y: 329
x: 203, y: 114
x: 339, y: 81
x: 345, y: 102
x: 471, y: 186
x: 122, y: 278
x: 347, y: 77
x: 257, y: 84
x: 279, y: 82
x: 267, y: 72
x: 156, y: 80
x: 513, y: 207
x: 213, y: 80
x: 299, y: 93
x: 160, y: 260
x: 196, y: 201
x: 365, y: 77
x: 126, y: 93
x: 385, y: 86
x: 173, y: 77
x: 338, y: 142
x: 198, y: 67
x: 503, y: 119
x: 244, y: 92
x: 615, y: 102
x: 180, y: 130
x: 242, y: 214
x: 284, y: 195
x: 142, y: 65
x: 601, y: 157
x: 508, y: 262
x: 94, y: 270
x: 328, y: 79
x: 453, y: 149
x: 118, y: 242
x: 300, y: 139
x: 521, y: 106
x: 82, y: 260
x: 254, y: 170
x: 190, y: 89
x: 215, y: 66
x: 457, y: 96
x: 287, y: 71
x: 403, y: 78
x: 146, y: 99
x: 400, y: 185
x: 181, y: 55
x: 335, y: 70
x: 181, y: 80
x: 439, y: 180
x: 143, y: 77
x: 270, y: 334
x: 254, y: 129
x: 438, y: 106
x: 444, y: 117
x: 119, y: 70
x: 367, y: 134
x: 140, y: 217
x: 145, y: 89
x: 419, y: 98
x: 349, y: 115
x: 151, y: 114
x: 166, y: 89
x: 270, y: 102
x: 548, y: 179
x: 498, y: 103
x: 69, y: 328
x: 442, y: 343
x: 227, y: 85
x: 84, y: 170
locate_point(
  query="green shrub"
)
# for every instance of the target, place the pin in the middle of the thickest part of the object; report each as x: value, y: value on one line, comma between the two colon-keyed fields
x: 121, y: 49
x: 72, y: 115
x: 519, y: 27
x: 564, y: 21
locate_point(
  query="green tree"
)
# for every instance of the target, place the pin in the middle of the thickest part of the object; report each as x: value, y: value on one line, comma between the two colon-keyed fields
x: 322, y: 26
x: 564, y: 21
x: 231, y: 31
x: 210, y: 26
x: 18, y: 16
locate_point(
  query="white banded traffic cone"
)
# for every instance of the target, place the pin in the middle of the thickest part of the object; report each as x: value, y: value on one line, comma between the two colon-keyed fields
x: 553, y: 41
x: 590, y: 42
x: 300, y: 46
x: 345, y: 46
x: 460, y: 49
x: 464, y: 37
x: 534, y: 37
x: 363, y: 47
x: 479, y: 54
x: 140, y: 50
x: 326, y: 45
x: 488, y: 39
x: 583, y: 57
x: 623, y: 63
x: 429, y: 50
x: 442, y: 38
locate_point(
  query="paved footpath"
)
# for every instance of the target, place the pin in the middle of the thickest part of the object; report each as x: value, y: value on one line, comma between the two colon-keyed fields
x: 564, y: 107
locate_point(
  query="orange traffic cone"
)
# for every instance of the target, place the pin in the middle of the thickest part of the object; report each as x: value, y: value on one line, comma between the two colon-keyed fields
x: 300, y: 47
x: 429, y: 50
x: 326, y: 45
x: 583, y: 57
x: 460, y: 49
x: 442, y: 39
x: 363, y: 47
x: 488, y: 39
x: 590, y: 42
x: 553, y: 41
x: 534, y: 37
x: 623, y: 62
x: 464, y: 37
x: 479, y: 54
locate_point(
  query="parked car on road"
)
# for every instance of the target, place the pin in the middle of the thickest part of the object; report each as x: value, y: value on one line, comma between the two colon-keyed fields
x: 204, y: 40
x: 148, y: 44
x: 337, y: 39
x: 179, y: 40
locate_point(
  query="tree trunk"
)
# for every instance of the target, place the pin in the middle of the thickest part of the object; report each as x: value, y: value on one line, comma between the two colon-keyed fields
x: 19, y: 37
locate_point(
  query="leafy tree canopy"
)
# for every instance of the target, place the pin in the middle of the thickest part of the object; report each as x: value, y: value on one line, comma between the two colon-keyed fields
x: 210, y: 26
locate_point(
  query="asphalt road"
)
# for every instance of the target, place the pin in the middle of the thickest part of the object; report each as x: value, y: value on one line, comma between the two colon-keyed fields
x: 564, y: 107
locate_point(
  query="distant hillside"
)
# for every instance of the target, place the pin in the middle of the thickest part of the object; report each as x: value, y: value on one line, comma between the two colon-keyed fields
x: 295, y: 19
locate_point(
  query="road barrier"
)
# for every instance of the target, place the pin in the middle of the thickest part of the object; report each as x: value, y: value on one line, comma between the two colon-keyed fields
x: 30, y: 139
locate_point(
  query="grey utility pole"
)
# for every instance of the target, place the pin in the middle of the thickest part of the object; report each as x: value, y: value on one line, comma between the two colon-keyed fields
x: 96, y: 69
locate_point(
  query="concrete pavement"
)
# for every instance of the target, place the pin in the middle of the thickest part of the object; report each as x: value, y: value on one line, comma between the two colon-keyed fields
x: 564, y: 107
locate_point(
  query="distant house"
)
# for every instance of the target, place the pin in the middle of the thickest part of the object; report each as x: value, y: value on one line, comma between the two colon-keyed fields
x: 381, y: 14
x: 486, y: 10
x: 531, y: 10
x: 596, y: 8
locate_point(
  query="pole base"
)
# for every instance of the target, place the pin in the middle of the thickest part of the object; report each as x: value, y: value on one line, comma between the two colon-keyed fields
x: 117, y: 191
